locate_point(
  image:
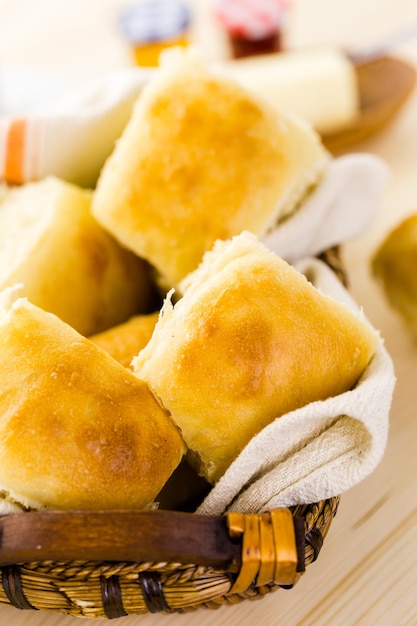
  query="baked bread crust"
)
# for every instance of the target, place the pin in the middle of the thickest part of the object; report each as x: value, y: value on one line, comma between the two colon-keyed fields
x: 394, y: 265
x: 69, y: 265
x: 124, y: 341
x: 250, y: 340
x: 201, y: 159
x: 77, y: 430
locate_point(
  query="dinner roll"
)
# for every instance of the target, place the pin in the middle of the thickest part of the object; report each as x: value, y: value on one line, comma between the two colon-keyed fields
x: 124, y: 341
x: 201, y: 159
x: 68, y: 264
x: 77, y: 430
x: 394, y: 264
x: 250, y: 340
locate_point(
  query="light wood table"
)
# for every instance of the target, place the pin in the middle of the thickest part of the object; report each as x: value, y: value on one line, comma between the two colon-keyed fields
x: 367, y: 571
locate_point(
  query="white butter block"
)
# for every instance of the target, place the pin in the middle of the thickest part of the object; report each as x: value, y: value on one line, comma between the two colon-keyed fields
x: 318, y: 84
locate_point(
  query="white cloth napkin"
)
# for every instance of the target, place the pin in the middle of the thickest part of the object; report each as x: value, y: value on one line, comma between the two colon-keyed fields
x: 341, y: 207
x: 318, y: 451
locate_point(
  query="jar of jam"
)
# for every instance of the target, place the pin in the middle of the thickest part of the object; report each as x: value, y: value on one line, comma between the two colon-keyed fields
x: 252, y: 26
x: 151, y: 26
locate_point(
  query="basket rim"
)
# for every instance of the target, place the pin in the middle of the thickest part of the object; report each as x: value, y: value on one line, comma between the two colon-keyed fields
x: 141, y: 536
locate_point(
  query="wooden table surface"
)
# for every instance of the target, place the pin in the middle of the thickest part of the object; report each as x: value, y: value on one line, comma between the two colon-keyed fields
x: 367, y: 571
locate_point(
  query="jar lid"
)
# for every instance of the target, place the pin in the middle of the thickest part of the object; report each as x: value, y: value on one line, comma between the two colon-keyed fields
x: 155, y: 20
x: 251, y: 19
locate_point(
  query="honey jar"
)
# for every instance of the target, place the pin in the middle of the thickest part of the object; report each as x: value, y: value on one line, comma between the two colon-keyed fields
x: 151, y: 26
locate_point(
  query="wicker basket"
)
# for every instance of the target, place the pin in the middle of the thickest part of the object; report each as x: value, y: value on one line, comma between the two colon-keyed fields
x: 107, y: 564
x: 111, y: 564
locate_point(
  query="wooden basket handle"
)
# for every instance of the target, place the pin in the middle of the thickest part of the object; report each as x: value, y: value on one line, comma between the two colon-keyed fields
x: 268, y: 543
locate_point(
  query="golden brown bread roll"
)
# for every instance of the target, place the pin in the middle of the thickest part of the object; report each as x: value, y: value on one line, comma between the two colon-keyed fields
x: 394, y: 264
x: 124, y: 341
x: 201, y: 159
x: 68, y: 264
x: 250, y: 340
x: 77, y: 430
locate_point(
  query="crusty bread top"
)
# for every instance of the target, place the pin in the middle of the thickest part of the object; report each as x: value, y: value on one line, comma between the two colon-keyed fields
x: 77, y: 430
x: 250, y: 340
x: 201, y: 159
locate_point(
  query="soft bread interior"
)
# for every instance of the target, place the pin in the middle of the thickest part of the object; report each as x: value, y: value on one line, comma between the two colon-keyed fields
x: 77, y: 430
x: 250, y: 340
x: 68, y: 264
x: 202, y: 159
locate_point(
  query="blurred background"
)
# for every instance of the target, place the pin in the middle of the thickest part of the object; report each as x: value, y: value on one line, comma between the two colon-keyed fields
x: 52, y: 37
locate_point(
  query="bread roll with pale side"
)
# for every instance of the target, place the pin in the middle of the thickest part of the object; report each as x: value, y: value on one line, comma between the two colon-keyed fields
x: 68, y: 264
x: 124, y: 341
x: 250, y: 340
x: 77, y: 430
x: 202, y: 159
x: 394, y: 264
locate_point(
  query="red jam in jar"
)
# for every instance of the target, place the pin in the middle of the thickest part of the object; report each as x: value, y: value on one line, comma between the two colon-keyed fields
x: 252, y: 26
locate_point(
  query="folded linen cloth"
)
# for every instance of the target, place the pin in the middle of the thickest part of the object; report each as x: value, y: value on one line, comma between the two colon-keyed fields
x: 318, y: 451
x: 340, y: 208
x: 310, y: 454
x: 72, y: 136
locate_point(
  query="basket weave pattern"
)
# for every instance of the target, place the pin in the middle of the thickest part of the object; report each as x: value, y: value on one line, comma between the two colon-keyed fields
x: 114, y: 589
